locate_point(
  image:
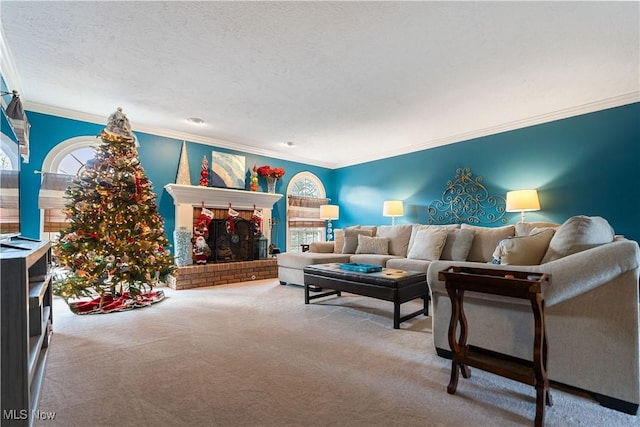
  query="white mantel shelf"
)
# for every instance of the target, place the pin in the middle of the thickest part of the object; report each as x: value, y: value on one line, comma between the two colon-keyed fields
x: 195, y: 195
x: 186, y: 197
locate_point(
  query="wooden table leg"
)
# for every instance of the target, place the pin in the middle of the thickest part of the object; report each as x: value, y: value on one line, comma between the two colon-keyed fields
x: 543, y: 395
x: 457, y: 343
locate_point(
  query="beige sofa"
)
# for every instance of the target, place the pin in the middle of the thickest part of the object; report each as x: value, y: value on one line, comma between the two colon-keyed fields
x: 592, y: 310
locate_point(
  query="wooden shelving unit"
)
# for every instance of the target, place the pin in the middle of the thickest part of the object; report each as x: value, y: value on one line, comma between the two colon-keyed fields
x: 26, y: 316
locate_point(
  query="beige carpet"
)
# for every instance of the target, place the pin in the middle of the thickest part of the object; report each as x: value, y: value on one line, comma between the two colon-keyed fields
x: 253, y: 354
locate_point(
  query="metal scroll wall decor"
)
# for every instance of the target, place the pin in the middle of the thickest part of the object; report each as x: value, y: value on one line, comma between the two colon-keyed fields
x: 467, y: 200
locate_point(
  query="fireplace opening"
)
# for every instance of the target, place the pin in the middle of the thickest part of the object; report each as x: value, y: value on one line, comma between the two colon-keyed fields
x: 232, y: 240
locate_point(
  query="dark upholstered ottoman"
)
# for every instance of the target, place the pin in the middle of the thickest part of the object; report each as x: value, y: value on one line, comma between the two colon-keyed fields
x: 398, y: 286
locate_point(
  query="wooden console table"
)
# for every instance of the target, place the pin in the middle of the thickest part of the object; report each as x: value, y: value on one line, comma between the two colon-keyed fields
x: 515, y: 284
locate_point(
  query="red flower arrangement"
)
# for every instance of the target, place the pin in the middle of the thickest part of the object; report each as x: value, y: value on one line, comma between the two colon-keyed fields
x: 268, y: 171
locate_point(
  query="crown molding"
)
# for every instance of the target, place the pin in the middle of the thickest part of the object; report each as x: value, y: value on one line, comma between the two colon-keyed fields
x: 8, y: 66
x: 182, y: 136
x: 616, y: 101
x: 604, y: 104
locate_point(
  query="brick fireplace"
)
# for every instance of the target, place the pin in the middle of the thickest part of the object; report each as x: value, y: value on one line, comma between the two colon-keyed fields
x: 188, y: 200
x: 196, y: 276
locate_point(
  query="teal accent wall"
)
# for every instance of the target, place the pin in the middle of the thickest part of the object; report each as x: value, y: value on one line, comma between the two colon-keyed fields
x: 159, y: 157
x: 584, y: 165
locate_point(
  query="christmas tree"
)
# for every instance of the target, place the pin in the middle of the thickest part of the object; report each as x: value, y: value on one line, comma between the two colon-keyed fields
x: 114, y: 247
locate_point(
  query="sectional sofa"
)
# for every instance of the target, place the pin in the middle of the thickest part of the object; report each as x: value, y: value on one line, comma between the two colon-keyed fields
x: 592, y: 310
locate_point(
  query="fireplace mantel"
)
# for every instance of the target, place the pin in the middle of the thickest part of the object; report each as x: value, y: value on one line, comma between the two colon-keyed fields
x: 186, y: 197
x: 194, y: 195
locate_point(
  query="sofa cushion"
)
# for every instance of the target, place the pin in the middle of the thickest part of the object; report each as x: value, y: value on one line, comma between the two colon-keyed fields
x: 523, y: 250
x: 577, y: 234
x: 417, y: 227
x: 526, y: 228
x: 376, y: 259
x: 428, y: 243
x: 351, y: 239
x: 485, y: 241
x: 322, y: 247
x: 457, y: 245
x: 371, y: 228
x: 398, y: 236
x: 372, y: 245
x: 299, y: 260
x: 409, y: 264
x: 338, y: 237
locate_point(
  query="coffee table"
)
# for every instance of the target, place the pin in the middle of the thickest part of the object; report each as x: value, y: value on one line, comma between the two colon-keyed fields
x: 397, y: 286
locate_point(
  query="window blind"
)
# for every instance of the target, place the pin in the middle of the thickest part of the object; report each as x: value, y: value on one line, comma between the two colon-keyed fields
x: 52, y: 199
x: 304, y: 212
x: 9, y: 199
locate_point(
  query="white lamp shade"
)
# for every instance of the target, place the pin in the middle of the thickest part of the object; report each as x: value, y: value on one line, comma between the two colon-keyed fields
x: 393, y: 208
x: 522, y: 200
x: 329, y: 212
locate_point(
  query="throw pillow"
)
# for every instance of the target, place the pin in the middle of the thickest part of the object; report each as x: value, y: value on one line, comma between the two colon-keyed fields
x: 351, y: 239
x: 577, y: 234
x: 523, y: 250
x: 418, y: 227
x: 485, y: 241
x: 338, y: 238
x: 372, y: 245
x: 457, y: 245
x: 527, y: 228
x: 371, y: 228
x: 398, y: 236
x: 428, y: 244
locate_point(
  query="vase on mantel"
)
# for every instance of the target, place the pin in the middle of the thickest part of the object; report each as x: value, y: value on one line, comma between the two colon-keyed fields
x: 271, y: 184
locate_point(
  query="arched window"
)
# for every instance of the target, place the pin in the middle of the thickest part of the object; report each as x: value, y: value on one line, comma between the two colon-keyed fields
x: 9, y: 156
x: 9, y: 183
x: 305, y: 194
x: 59, y: 167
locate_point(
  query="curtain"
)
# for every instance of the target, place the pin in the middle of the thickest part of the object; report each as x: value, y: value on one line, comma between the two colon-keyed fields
x: 52, y: 200
x: 9, y: 200
x: 304, y: 212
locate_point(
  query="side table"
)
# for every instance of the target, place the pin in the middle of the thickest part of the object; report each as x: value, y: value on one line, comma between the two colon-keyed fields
x: 515, y: 284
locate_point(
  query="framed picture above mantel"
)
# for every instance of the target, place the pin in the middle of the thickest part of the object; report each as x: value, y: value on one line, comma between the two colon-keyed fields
x: 227, y: 170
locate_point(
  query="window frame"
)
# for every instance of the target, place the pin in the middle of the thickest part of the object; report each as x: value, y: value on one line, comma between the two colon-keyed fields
x: 321, y: 193
x: 53, y: 160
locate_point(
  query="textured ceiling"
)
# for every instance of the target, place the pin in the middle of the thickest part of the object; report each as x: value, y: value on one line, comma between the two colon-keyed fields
x: 346, y: 82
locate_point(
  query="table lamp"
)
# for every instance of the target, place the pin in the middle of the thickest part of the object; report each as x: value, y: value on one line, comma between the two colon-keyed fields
x: 522, y: 201
x: 328, y: 213
x: 393, y: 208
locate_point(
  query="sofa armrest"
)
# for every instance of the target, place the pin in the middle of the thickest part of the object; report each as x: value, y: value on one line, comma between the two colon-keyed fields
x: 572, y: 275
x: 321, y: 247
x: 584, y: 271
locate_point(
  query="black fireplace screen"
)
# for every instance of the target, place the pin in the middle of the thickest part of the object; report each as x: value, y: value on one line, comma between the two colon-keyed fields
x: 232, y: 240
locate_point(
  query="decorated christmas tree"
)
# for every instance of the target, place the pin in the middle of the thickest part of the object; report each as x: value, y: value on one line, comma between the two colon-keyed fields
x: 114, y: 248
